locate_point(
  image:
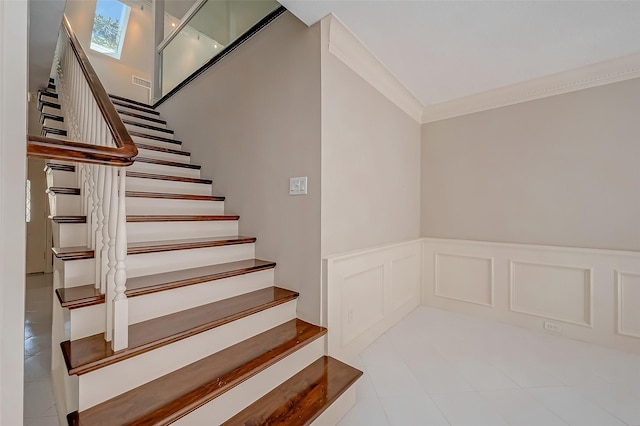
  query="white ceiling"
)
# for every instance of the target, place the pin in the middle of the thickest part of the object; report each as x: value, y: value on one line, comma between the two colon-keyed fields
x: 446, y: 50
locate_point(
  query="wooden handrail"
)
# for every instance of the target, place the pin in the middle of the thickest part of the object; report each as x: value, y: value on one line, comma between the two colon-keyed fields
x: 126, y: 150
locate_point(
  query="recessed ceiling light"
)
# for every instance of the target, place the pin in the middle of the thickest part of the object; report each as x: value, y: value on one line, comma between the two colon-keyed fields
x: 173, y: 24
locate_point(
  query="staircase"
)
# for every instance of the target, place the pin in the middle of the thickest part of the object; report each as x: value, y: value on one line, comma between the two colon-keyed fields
x: 211, y: 339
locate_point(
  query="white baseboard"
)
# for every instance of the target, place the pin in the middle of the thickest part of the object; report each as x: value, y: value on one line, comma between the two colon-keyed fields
x: 367, y: 292
x: 591, y: 294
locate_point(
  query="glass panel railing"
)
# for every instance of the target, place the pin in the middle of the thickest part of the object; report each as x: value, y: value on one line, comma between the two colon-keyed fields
x: 205, y: 34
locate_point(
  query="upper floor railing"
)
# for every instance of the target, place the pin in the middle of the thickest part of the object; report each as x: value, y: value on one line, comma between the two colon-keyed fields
x: 102, y: 147
x: 208, y: 31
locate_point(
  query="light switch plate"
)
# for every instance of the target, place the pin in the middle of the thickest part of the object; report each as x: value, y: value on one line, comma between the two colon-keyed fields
x: 298, y: 186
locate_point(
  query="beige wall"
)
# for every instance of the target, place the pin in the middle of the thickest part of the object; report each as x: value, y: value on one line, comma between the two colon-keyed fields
x: 557, y: 171
x: 370, y: 163
x: 137, y: 50
x: 253, y: 121
x: 13, y: 126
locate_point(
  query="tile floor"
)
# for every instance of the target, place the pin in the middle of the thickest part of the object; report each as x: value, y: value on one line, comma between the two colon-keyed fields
x: 39, y: 405
x: 440, y: 368
x: 433, y: 368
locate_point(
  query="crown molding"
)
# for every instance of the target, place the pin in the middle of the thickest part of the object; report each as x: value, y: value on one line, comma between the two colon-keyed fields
x: 346, y: 47
x: 598, y: 74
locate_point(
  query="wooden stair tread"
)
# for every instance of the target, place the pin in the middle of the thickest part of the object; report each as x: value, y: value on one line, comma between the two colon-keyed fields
x: 131, y: 101
x: 79, y: 252
x: 63, y: 190
x: 161, y: 149
x: 153, y: 218
x: 60, y: 167
x: 167, y: 163
x: 69, y: 219
x: 153, y: 283
x: 154, y: 137
x: 77, y: 297
x: 87, y: 295
x: 91, y: 353
x: 180, y: 218
x: 140, y: 116
x: 170, y: 397
x: 141, y: 194
x: 167, y: 177
x: 147, y: 126
x: 193, y: 243
x: 43, y: 92
x: 44, y: 103
x: 133, y: 106
x: 302, y: 398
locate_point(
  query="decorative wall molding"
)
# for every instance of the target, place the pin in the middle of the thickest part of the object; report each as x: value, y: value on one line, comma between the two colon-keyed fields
x: 592, y: 294
x: 464, y: 274
x: 368, y: 291
x: 346, y: 47
x: 554, y: 281
x: 628, y: 300
x: 598, y: 74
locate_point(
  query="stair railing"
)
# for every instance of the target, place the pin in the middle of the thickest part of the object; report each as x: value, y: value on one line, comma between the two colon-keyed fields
x: 101, y: 158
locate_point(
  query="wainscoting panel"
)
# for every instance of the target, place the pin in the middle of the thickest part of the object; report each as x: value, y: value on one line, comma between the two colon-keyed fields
x: 628, y: 298
x: 556, y: 292
x: 586, y: 294
x: 367, y: 292
x: 464, y: 278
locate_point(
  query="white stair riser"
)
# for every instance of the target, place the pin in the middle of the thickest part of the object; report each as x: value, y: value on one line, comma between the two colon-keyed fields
x: 249, y: 391
x: 87, y: 321
x: 51, y: 110
x: 56, y: 136
x: 160, y: 169
x: 167, y: 156
x: 74, y: 273
x: 171, y: 187
x: 108, y: 382
x: 157, y: 263
x: 62, y: 179
x: 142, y: 120
x: 55, y: 124
x: 159, y: 231
x: 90, y: 320
x: 81, y: 272
x: 142, y: 308
x: 146, y: 131
x: 69, y: 234
x: 149, y: 206
x: 64, y: 204
x: 135, y: 111
x: 337, y: 410
x: 159, y: 144
x: 139, y: 205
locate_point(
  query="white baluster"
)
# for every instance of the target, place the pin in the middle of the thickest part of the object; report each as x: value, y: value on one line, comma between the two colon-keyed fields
x: 104, y: 256
x: 99, y: 241
x: 120, y: 302
x: 111, y: 274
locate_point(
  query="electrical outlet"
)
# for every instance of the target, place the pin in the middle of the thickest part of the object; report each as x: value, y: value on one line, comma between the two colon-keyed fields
x: 298, y: 186
x: 552, y: 326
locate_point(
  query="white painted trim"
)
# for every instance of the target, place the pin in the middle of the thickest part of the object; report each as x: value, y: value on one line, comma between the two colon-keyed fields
x: 355, y: 322
x: 346, y: 47
x: 619, y: 298
x: 13, y: 172
x: 436, y: 271
x: 598, y: 74
x: 596, y: 317
x: 589, y: 293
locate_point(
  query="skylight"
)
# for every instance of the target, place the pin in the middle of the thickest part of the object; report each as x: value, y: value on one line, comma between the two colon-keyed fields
x: 109, y: 27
